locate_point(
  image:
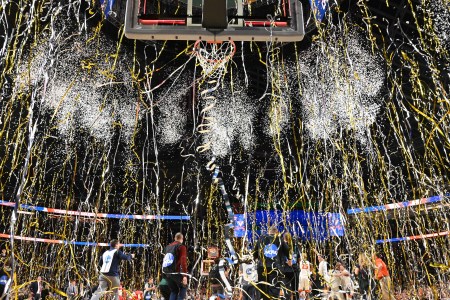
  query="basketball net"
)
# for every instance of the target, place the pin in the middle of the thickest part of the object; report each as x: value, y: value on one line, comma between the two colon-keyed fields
x: 214, y: 56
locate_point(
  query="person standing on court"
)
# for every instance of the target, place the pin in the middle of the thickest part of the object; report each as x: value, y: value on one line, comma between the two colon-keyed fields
x: 270, y: 250
x: 304, y: 285
x: 5, y: 271
x: 72, y: 290
x: 382, y: 275
x: 37, y: 287
x: 149, y: 289
x: 288, y: 268
x: 109, y: 278
x: 248, y: 279
x: 366, y: 283
x: 323, y: 272
x: 175, y: 267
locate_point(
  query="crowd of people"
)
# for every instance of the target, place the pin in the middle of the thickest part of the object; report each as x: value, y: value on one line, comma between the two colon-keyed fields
x: 278, y: 273
x: 273, y: 269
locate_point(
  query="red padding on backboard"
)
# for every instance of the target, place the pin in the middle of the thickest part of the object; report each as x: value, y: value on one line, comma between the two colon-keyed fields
x: 163, y: 22
x: 265, y: 23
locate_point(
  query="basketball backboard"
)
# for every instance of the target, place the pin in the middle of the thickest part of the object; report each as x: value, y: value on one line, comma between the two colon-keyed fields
x: 237, y: 20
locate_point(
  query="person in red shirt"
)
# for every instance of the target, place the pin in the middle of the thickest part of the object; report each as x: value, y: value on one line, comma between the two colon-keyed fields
x: 382, y: 275
x: 138, y: 295
x: 175, y: 267
x: 122, y: 292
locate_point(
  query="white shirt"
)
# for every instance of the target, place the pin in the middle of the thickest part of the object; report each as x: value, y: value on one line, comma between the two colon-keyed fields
x: 335, y: 281
x: 323, y: 268
x: 107, y: 260
x: 249, y: 273
x: 346, y: 281
x: 305, y: 269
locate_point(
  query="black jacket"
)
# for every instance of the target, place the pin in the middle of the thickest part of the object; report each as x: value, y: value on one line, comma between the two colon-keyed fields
x: 271, y: 250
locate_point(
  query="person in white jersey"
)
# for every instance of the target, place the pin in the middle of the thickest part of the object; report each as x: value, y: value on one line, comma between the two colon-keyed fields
x: 323, y: 272
x: 347, y: 283
x: 304, y: 286
x: 336, y: 283
x: 248, y: 279
x: 109, y: 278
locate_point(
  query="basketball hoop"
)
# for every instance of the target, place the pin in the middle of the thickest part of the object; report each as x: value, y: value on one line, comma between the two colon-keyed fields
x: 213, y: 56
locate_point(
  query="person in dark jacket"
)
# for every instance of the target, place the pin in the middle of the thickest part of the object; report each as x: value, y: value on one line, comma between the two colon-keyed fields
x: 366, y: 283
x: 271, y: 249
x: 37, y: 288
x: 72, y: 290
x: 5, y: 271
x: 175, y: 267
x: 163, y: 287
x: 109, y: 273
x: 288, y: 269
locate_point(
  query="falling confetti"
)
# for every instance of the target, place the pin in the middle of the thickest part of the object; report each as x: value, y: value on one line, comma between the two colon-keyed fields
x: 348, y: 100
x: 356, y: 116
x: 232, y: 118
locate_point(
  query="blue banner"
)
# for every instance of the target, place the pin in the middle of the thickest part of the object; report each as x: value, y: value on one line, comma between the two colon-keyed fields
x: 319, y: 8
x: 304, y: 225
x: 107, y: 6
x: 239, y: 226
x: 335, y: 224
